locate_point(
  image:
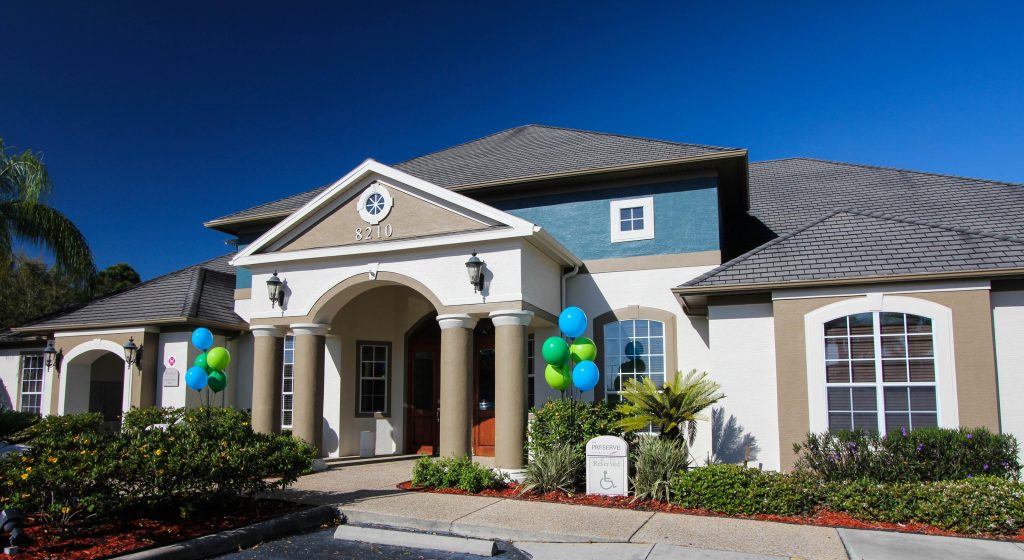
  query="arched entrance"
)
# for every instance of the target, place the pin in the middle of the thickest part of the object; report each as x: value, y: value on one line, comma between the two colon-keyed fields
x: 95, y: 382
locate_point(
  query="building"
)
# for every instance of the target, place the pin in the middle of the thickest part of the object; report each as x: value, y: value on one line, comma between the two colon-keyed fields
x: 819, y: 294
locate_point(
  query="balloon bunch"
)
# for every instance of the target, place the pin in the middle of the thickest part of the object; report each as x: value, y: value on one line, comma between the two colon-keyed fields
x: 576, y: 356
x: 209, y: 367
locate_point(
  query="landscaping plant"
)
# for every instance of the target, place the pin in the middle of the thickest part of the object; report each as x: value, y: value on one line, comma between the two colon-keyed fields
x: 656, y: 461
x: 14, y: 426
x: 670, y: 409
x: 460, y: 472
x: 734, y: 489
x: 924, y: 454
x: 551, y: 426
x: 559, y: 467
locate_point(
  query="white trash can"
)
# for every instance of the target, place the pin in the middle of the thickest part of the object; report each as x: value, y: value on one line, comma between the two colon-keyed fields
x: 367, y: 443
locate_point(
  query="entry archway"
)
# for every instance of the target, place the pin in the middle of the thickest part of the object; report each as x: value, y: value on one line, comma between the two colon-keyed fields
x: 96, y: 379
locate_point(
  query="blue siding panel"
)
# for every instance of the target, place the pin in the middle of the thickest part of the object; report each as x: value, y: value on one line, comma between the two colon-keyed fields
x: 685, y: 214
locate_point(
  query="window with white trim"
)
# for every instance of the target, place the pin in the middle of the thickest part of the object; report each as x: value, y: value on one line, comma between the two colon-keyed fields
x: 288, y: 382
x: 634, y: 349
x: 531, y: 394
x: 31, y: 384
x: 880, y: 372
x: 632, y: 219
x: 374, y: 362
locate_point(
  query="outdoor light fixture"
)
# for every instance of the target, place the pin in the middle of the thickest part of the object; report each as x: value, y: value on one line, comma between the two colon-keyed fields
x: 275, y: 290
x: 11, y: 523
x: 475, y: 268
x: 133, y: 353
x: 49, y: 355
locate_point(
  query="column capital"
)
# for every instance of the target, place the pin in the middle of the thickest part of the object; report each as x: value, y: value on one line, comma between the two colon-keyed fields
x: 511, y: 318
x: 309, y: 329
x: 456, y: 321
x: 266, y: 330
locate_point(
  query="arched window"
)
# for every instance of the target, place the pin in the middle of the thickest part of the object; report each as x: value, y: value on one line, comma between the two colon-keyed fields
x: 633, y: 349
x: 880, y: 372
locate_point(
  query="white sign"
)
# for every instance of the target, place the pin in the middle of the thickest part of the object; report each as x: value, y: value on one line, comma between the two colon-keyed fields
x: 608, y: 466
x: 170, y: 377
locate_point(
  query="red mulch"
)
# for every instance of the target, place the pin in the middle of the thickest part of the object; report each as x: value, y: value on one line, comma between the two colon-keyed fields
x: 823, y: 518
x: 92, y: 539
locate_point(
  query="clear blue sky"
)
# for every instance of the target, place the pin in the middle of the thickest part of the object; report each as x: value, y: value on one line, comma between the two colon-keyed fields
x: 154, y: 117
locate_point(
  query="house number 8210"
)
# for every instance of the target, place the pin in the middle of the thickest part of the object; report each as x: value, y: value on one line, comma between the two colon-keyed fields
x: 374, y: 232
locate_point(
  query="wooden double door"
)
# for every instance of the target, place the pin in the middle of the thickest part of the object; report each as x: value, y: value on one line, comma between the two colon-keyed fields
x: 423, y: 388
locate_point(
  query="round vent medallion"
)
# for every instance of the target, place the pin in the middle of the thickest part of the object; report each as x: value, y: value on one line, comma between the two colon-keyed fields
x: 374, y: 204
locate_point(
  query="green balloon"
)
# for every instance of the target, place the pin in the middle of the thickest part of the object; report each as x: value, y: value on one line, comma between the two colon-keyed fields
x: 217, y: 381
x: 583, y: 349
x: 218, y: 359
x: 556, y: 378
x: 201, y: 362
x: 555, y: 351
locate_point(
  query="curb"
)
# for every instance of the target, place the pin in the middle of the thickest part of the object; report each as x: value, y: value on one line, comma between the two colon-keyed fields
x: 233, y: 539
x: 425, y: 541
x: 459, y: 529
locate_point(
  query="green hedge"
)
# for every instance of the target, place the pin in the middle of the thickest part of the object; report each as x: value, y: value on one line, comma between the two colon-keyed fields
x: 461, y: 473
x: 551, y: 426
x: 921, y: 455
x: 74, y: 467
x: 977, y: 505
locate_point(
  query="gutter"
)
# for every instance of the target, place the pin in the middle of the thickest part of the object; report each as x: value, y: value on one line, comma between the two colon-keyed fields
x: 164, y: 321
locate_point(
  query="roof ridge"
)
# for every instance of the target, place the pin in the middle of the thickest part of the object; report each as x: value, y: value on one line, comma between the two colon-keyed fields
x: 737, y: 260
x: 283, y: 198
x: 460, y: 144
x: 190, y: 306
x: 632, y: 137
x: 897, y: 169
x: 912, y: 221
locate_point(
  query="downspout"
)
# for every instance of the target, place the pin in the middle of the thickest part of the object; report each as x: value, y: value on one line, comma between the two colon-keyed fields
x: 562, y: 295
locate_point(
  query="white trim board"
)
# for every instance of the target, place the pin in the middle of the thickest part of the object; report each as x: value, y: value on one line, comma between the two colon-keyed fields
x: 890, y: 288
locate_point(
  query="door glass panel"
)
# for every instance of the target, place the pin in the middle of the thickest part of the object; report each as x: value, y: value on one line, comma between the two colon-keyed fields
x: 423, y: 381
x: 486, y: 387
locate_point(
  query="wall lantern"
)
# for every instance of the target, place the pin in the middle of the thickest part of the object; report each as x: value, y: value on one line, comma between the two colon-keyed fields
x: 133, y: 353
x: 275, y: 290
x: 49, y: 355
x: 475, y: 268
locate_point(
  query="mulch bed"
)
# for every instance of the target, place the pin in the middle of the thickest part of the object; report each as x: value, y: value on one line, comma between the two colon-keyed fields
x: 822, y: 518
x: 92, y: 539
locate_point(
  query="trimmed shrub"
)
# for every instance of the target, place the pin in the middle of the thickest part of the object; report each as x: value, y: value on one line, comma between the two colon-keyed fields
x: 978, y: 505
x: 558, y: 467
x: 74, y: 468
x: 551, y: 426
x: 926, y: 455
x: 734, y: 489
x: 460, y: 472
x: 656, y: 461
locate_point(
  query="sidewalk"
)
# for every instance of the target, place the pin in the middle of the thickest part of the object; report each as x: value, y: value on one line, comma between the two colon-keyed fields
x: 367, y: 494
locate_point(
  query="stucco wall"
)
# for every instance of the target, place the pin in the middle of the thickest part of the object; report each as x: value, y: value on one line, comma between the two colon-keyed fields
x: 1008, y: 326
x: 10, y: 366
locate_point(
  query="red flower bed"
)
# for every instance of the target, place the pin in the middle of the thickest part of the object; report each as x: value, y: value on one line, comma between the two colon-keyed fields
x: 823, y: 518
x: 93, y: 539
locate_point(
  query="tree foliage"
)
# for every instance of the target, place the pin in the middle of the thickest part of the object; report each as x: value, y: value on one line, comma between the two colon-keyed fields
x: 114, y: 278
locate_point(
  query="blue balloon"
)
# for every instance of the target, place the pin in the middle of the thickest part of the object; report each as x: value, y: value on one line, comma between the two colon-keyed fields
x: 572, y: 322
x: 195, y: 378
x: 202, y: 338
x: 584, y: 375
x: 634, y: 349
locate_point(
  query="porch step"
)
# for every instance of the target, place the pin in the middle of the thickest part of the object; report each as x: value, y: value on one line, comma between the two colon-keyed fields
x: 334, y: 462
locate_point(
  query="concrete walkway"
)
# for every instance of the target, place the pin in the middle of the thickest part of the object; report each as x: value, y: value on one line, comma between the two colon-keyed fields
x: 367, y: 494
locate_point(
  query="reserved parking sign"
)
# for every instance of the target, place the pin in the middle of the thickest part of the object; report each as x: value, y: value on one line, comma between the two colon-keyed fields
x: 608, y: 466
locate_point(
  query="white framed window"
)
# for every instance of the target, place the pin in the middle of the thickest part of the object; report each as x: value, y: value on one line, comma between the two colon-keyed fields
x: 531, y: 393
x: 288, y: 383
x: 31, y: 384
x: 634, y: 349
x: 374, y: 365
x: 881, y: 363
x: 632, y: 219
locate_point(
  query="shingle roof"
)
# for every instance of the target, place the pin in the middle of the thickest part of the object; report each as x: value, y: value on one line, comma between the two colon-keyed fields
x: 201, y: 293
x: 849, y: 244
x: 518, y: 153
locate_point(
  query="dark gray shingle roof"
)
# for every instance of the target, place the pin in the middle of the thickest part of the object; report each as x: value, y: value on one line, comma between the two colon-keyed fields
x: 850, y: 244
x: 202, y: 293
x: 517, y: 153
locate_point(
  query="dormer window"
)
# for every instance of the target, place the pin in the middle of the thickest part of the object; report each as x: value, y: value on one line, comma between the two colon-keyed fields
x: 632, y: 219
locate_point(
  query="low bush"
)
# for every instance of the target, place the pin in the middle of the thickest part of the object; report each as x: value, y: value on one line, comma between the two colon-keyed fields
x: 461, y: 473
x: 558, y: 467
x: 551, y: 426
x: 924, y: 455
x: 74, y: 468
x: 734, y: 489
x: 656, y: 461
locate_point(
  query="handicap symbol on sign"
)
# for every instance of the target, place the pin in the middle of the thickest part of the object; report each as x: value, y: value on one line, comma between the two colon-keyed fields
x: 606, y: 483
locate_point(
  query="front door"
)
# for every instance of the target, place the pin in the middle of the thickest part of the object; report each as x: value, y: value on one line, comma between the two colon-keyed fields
x: 483, y: 393
x: 423, y: 372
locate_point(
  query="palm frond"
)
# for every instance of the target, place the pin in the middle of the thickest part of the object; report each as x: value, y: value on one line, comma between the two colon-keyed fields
x: 38, y: 223
x: 23, y: 176
x: 676, y: 406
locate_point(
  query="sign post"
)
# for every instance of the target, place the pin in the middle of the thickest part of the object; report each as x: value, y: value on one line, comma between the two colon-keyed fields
x: 608, y: 466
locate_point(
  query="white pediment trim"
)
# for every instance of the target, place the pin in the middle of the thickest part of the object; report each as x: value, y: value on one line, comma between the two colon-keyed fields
x: 504, y: 225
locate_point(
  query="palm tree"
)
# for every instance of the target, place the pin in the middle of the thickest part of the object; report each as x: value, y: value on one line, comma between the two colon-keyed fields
x: 24, y: 216
x: 677, y: 404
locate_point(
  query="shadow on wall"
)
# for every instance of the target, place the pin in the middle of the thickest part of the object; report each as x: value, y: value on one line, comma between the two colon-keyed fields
x: 5, y: 397
x: 331, y: 440
x: 729, y: 443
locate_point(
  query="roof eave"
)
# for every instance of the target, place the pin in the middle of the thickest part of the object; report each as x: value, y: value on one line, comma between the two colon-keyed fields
x: 132, y: 323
